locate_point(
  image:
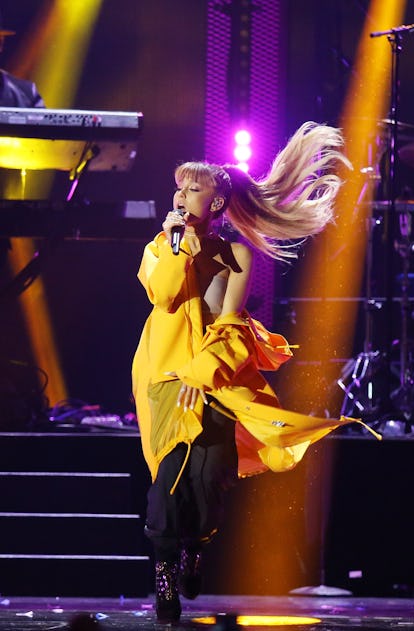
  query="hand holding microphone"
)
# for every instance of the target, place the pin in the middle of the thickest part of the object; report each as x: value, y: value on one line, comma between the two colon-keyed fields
x: 174, y: 226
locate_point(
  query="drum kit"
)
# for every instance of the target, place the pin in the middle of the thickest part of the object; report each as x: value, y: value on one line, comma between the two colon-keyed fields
x: 378, y: 384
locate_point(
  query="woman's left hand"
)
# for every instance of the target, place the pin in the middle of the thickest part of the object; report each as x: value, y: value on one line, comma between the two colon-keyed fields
x: 187, y: 395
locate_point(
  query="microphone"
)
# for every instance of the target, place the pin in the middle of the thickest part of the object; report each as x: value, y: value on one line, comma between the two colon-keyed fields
x: 177, y: 233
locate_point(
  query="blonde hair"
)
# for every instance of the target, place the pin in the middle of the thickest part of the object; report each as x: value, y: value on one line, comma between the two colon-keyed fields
x: 293, y: 201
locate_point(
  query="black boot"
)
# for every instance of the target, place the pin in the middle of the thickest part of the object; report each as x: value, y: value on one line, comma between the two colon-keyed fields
x: 167, y: 602
x: 189, y: 577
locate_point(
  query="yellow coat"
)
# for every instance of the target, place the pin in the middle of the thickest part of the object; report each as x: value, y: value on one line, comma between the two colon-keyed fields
x: 225, y: 361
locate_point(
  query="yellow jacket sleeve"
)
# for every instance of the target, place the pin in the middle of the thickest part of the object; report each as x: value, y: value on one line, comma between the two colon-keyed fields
x: 163, y: 273
x: 229, y: 346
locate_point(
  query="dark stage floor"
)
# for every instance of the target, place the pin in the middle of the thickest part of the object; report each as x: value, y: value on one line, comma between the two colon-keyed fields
x: 332, y: 612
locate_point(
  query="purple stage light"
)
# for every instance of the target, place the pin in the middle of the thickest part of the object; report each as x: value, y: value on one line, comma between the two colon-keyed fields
x: 243, y: 137
x: 242, y: 153
x: 264, y: 108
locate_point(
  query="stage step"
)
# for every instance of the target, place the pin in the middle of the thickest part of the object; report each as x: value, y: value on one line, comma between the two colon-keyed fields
x: 70, y: 516
x: 65, y: 491
x: 71, y: 533
x: 74, y: 575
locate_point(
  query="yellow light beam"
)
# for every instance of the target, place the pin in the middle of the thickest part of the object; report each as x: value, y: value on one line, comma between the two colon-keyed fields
x: 38, y: 322
x: 59, y: 44
x: 61, y: 61
x: 325, y: 327
x: 334, y: 272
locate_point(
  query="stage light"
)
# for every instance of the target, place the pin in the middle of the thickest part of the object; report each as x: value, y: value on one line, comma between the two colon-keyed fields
x: 242, y: 153
x: 242, y: 150
x: 263, y: 621
x: 242, y: 137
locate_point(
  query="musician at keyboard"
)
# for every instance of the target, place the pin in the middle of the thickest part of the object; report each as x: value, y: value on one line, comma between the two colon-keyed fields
x: 16, y: 92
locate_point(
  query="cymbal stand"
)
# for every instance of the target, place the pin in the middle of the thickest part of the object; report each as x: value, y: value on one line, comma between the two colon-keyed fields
x: 403, y: 396
x: 361, y: 392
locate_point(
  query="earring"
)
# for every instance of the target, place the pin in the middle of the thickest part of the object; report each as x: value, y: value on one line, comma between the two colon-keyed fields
x: 216, y: 204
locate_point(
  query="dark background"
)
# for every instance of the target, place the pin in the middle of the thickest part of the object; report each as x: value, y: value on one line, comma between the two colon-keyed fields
x: 149, y: 56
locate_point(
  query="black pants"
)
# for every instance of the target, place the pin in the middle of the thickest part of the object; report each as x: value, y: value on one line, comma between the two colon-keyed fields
x: 193, y: 513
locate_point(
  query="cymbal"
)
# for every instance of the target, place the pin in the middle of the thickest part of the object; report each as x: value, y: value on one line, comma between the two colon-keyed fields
x: 379, y: 122
x: 405, y: 131
x: 403, y: 126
